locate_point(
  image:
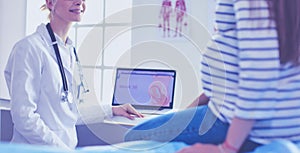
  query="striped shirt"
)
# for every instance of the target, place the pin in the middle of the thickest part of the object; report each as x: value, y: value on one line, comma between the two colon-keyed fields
x: 242, y: 74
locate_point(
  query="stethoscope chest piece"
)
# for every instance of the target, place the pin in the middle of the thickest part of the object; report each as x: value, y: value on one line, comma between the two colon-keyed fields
x: 67, y: 97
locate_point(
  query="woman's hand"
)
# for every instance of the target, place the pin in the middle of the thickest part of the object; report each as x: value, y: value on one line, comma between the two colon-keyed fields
x: 202, y: 148
x: 199, y: 101
x: 126, y: 110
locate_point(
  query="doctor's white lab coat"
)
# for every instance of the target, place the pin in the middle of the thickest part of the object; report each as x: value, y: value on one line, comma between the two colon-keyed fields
x: 34, y: 81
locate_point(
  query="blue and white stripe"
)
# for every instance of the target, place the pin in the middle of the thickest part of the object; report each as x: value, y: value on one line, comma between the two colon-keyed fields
x: 242, y: 75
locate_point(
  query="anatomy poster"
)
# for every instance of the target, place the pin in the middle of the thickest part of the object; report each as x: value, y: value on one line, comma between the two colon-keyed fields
x: 173, y: 18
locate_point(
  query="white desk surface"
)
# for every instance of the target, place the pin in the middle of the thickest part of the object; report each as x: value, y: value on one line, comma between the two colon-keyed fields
x: 125, y: 121
x: 128, y: 122
x: 4, y: 104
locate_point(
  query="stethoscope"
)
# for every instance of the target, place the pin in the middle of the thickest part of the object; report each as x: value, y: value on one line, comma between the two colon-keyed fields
x: 66, y: 94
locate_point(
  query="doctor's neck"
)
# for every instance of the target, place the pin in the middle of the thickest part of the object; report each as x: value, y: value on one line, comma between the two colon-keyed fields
x: 61, y: 29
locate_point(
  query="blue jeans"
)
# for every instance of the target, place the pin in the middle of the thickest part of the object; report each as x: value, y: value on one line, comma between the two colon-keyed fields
x: 278, y: 146
x: 189, y: 126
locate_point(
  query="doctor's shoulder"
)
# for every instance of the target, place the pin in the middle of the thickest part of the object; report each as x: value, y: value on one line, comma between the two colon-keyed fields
x: 31, y: 45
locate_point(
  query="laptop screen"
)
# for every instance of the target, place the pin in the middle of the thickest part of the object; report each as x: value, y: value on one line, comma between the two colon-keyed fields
x: 144, y: 87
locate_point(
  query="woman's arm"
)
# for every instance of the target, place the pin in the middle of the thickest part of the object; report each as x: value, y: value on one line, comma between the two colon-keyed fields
x: 200, y: 100
x: 238, y: 132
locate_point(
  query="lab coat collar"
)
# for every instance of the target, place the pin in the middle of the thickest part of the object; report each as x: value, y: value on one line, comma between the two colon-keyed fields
x: 42, y: 30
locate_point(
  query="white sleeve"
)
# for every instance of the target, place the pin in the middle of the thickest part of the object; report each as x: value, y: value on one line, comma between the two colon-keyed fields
x: 107, y: 109
x: 23, y: 73
x: 93, y: 113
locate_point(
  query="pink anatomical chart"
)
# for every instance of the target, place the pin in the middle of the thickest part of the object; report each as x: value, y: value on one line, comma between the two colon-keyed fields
x: 173, y: 18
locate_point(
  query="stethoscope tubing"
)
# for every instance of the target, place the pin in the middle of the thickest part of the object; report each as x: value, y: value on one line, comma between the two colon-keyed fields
x: 58, y: 57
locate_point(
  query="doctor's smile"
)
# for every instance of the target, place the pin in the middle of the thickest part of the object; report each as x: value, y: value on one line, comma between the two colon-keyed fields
x: 76, y: 11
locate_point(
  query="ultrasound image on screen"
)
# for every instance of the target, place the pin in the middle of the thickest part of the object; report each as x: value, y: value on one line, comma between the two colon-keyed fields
x: 144, y: 87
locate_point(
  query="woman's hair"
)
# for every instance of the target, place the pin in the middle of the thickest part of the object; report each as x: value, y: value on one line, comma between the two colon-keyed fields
x: 286, y: 14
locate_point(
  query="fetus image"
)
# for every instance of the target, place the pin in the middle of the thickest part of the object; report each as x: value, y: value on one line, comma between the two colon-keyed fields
x: 158, y: 94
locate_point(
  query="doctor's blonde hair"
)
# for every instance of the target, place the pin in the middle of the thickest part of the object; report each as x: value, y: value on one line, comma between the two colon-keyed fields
x: 44, y: 7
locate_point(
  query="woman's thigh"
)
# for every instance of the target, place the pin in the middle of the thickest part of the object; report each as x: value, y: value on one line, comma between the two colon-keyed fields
x: 189, y: 126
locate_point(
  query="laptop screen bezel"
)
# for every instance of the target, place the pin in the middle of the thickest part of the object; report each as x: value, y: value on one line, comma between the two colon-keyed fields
x: 171, y: 104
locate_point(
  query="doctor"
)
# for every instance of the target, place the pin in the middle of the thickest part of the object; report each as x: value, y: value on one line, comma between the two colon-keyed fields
x: 39, y: 75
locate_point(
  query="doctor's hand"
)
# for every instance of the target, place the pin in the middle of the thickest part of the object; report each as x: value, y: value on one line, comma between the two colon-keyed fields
x: 126, y: 110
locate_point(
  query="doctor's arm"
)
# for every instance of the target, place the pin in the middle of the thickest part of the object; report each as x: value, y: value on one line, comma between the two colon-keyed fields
x: 126, y: 110
x: 23, y: 80
x: 95, y: 113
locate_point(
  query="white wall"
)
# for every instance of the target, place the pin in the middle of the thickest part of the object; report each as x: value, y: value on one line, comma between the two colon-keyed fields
x: 151, y: 49
x: 12, y: 29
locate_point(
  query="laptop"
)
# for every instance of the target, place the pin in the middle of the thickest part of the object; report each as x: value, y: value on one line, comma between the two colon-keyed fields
x: 150, y: 91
